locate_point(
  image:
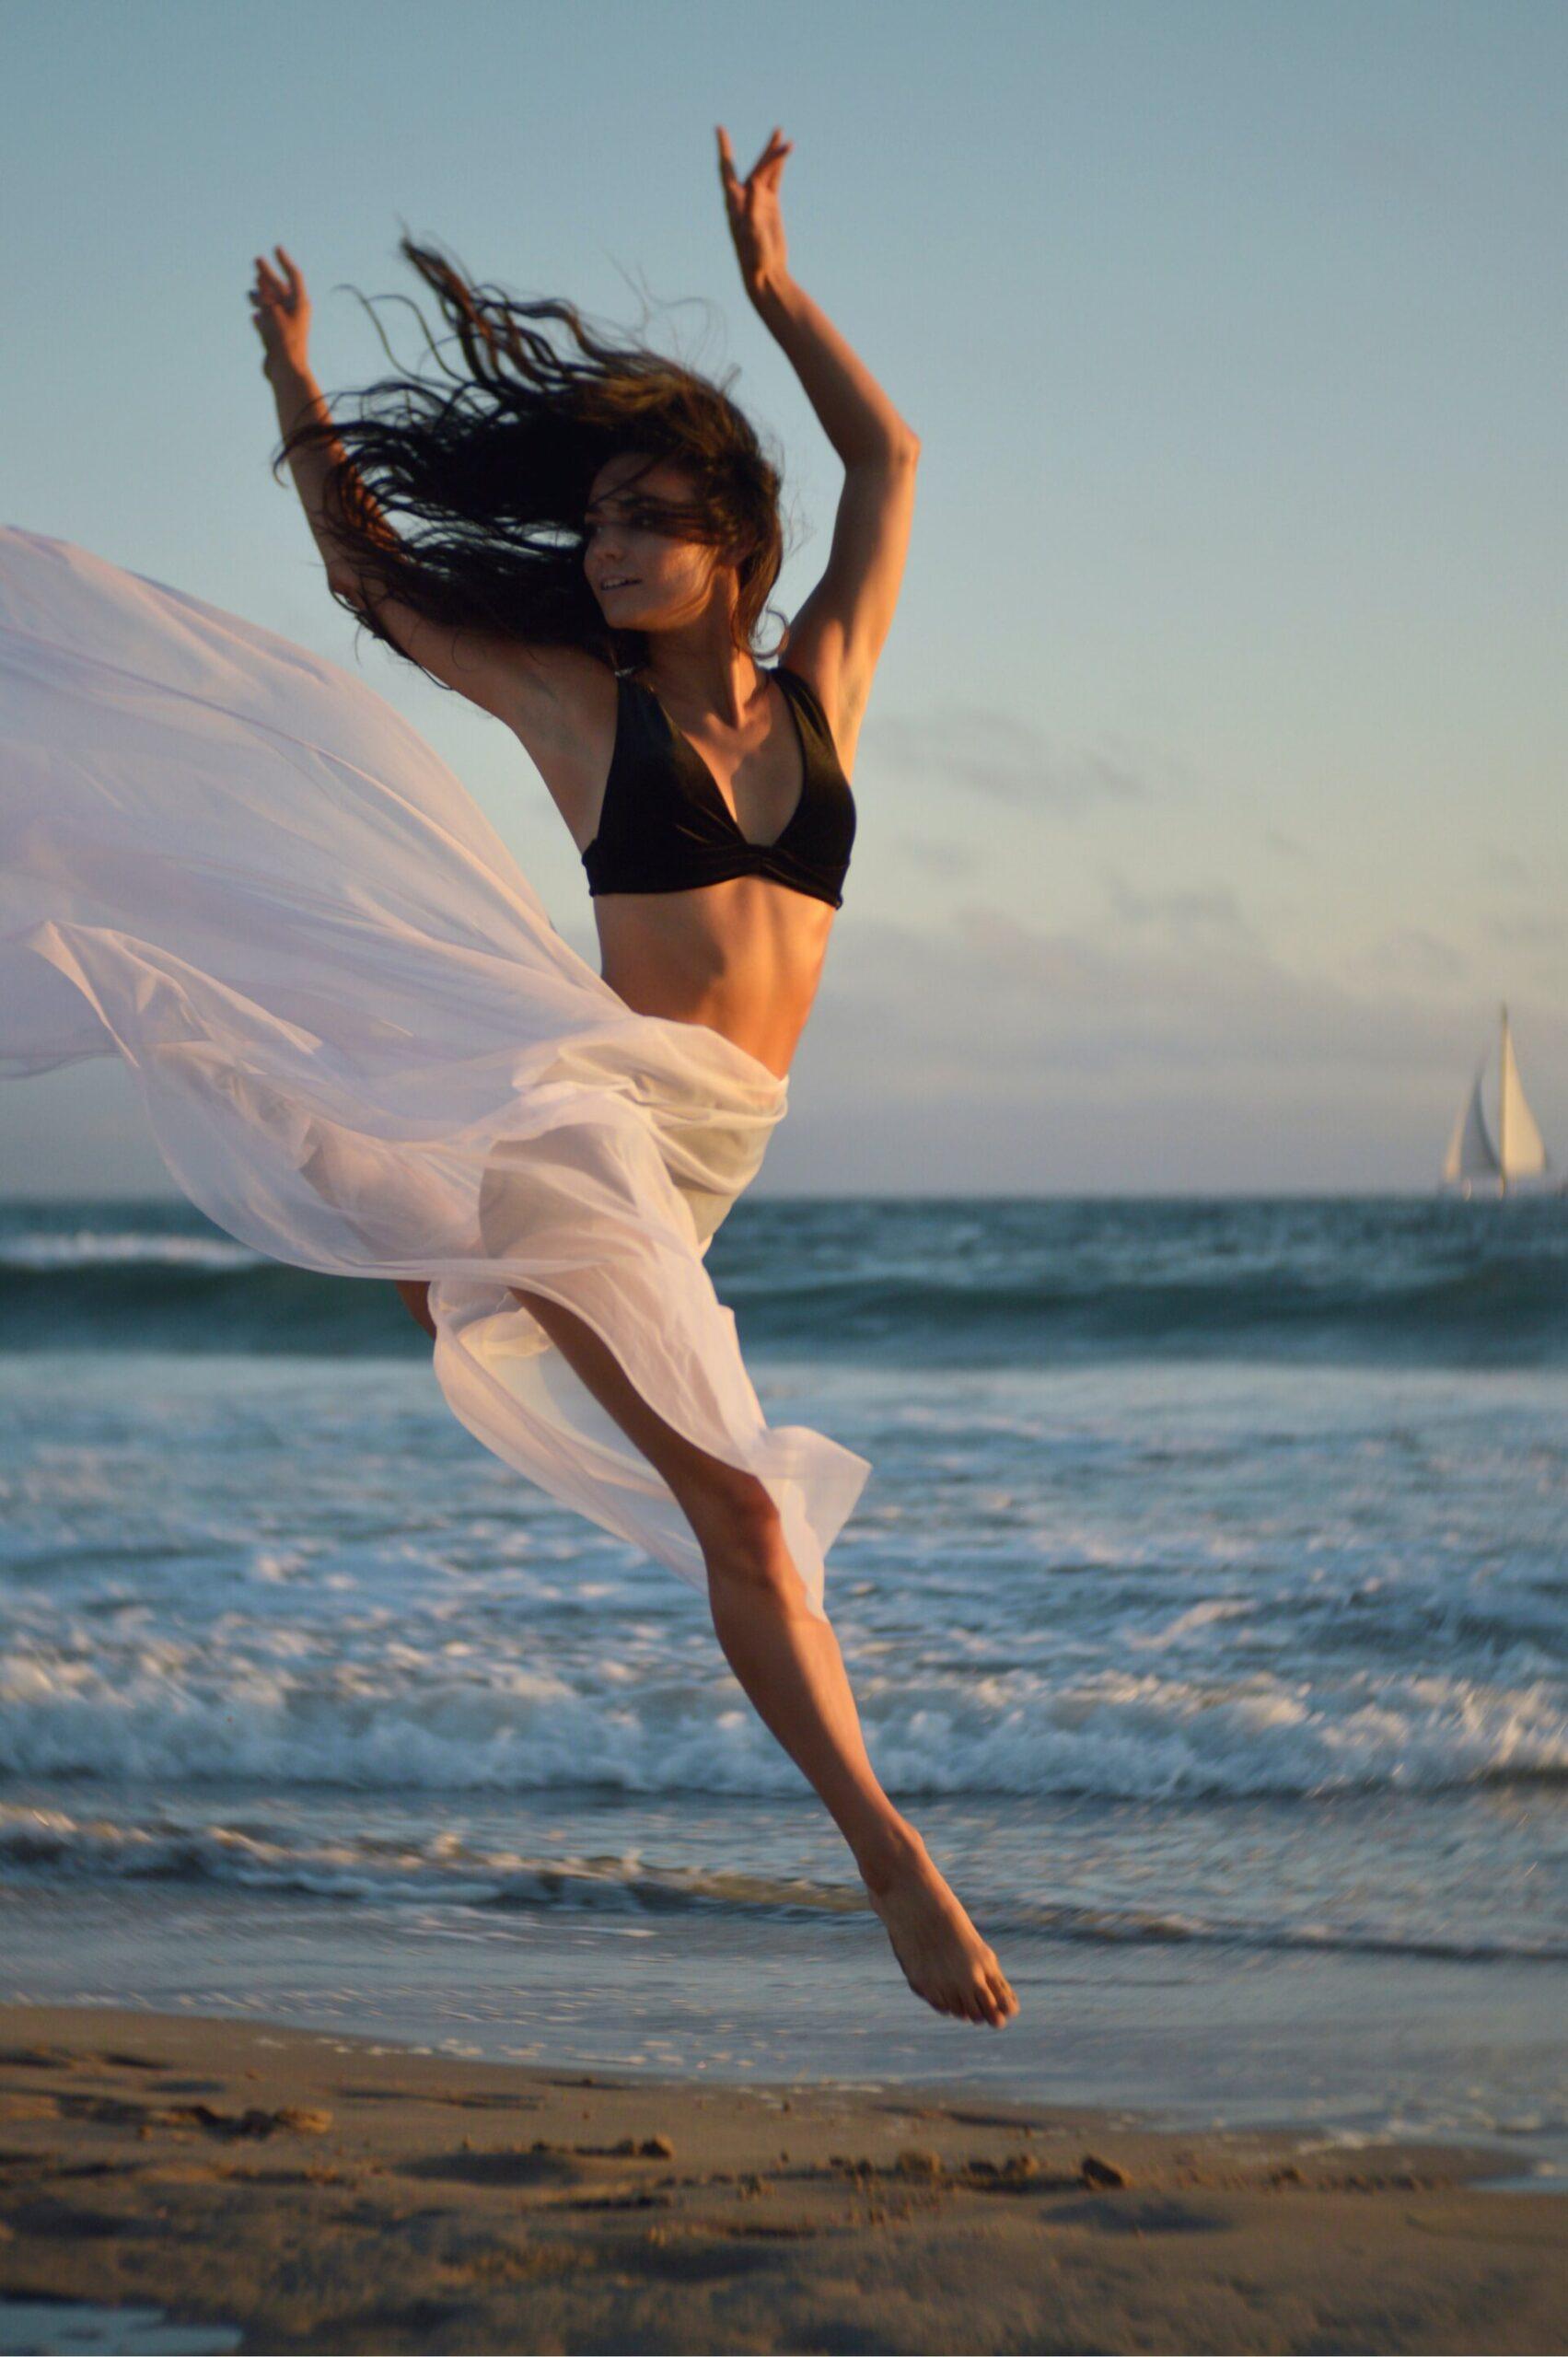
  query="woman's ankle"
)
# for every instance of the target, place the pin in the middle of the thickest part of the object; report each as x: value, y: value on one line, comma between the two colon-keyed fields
x: 887, y: 1853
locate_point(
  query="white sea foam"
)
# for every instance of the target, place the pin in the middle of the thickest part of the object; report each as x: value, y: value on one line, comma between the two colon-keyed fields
x: 92, y: 1247
x: 411, y: 1720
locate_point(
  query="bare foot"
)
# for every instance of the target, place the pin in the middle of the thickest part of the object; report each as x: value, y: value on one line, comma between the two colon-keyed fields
x: 943, y: 1958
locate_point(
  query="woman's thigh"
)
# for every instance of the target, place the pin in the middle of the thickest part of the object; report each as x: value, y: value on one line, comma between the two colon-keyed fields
x: 728, y: 1508
x: 416, y: 1301
x: 712, y: 1493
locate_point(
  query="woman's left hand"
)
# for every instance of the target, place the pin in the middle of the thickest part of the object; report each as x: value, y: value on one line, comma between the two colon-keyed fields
x: 752, y: 204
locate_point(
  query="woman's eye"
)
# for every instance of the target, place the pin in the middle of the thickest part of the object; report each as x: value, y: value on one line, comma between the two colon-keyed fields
x: 637, y: 519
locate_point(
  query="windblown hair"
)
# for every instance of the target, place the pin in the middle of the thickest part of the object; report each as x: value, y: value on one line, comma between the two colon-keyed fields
x: 497, y: 470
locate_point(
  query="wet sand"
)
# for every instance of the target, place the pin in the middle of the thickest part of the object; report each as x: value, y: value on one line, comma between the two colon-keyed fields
x: 326, y: 2193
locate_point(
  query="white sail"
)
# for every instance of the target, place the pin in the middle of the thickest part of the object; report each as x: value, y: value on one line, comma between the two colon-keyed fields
x: 1471, y: 1151
x: 1524, y: 1151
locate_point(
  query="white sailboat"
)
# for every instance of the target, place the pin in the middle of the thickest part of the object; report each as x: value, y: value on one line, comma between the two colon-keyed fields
x: 1520, y: 1152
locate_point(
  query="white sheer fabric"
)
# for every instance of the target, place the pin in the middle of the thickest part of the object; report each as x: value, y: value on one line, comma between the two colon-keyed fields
x: 362, y: 1046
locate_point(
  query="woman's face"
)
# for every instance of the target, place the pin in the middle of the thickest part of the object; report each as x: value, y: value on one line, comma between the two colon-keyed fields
x: 642, y: 574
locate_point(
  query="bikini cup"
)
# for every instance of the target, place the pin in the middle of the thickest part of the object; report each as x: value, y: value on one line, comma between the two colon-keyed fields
x: 666, y: 826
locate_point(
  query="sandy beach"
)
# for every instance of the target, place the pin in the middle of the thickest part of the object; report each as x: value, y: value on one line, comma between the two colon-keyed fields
x: 328, y: 2193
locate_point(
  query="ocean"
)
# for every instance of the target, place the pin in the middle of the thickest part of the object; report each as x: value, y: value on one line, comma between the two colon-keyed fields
x: 1205, y: 1610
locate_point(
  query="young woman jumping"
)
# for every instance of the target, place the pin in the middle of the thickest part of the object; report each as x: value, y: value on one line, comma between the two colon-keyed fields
x: 362, y: 1045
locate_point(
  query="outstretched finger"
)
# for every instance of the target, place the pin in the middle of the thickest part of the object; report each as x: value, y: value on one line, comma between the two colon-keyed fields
x: 727, y: 163
x: 289, y: 264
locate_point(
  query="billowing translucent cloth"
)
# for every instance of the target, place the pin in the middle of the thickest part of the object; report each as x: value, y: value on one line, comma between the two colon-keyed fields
x: 362, y: 1046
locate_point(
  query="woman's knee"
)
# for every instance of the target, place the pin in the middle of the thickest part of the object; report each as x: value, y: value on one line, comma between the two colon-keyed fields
x: 742, y: 1532
x: 731, y: 1513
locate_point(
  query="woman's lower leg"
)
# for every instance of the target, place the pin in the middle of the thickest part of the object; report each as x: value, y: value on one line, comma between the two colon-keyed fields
x: 789, y: 1664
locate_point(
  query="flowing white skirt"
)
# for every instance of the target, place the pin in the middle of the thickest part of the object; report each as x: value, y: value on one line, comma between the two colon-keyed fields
x: 362, y: 1046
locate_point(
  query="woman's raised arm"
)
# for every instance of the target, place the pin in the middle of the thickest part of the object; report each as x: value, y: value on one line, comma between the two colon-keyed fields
x: 839, y: 633
x: 856, y: 415
x: 484, y: 666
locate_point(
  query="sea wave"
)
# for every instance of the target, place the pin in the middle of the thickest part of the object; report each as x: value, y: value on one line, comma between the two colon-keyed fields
x: 970, y: 1283
x: 1106, y: 1734
x: 49, y: 1846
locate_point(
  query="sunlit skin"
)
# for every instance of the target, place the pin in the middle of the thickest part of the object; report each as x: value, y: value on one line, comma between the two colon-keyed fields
x: 744, y: 957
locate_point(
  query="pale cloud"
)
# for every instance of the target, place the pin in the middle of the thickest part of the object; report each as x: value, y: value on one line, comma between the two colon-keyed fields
x: 944, y: 856
x: 1006, y: 758
x: 991, y: 996
x: 1525, y: 932
x: 1138, y: 1053
x: 1190, y: 909
x: 1408, y: 954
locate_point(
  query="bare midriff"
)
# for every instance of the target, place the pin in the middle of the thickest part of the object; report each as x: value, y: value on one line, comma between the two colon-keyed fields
x: 744, y: 957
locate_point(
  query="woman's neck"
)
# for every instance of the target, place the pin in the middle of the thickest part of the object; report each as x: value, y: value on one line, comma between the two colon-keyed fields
x: 698, y: 669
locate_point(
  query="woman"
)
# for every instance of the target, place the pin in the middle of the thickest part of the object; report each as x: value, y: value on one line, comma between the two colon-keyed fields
x: 362, y: 1046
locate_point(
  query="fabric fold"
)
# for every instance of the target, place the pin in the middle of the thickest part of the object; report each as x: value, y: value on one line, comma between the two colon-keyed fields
x: 362, y: 1046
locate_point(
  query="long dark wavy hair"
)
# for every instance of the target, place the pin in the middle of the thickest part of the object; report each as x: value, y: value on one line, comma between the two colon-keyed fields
x: 496, y: 470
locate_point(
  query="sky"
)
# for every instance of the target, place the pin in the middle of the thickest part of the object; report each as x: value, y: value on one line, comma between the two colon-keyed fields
x: 1211, y: 791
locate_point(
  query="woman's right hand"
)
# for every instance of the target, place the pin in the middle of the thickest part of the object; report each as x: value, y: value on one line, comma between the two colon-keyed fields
x: 280, y: 311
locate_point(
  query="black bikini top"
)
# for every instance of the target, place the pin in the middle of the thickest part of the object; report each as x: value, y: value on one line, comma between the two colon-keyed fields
x: 665, y: 826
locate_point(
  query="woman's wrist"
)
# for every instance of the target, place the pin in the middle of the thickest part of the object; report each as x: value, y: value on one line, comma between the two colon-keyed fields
x: 289, y: 373
x: 770, y: 297
x: 294, y: 389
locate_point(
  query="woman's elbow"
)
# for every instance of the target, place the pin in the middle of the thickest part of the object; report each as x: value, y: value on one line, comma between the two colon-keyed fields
x: 889, y: 449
